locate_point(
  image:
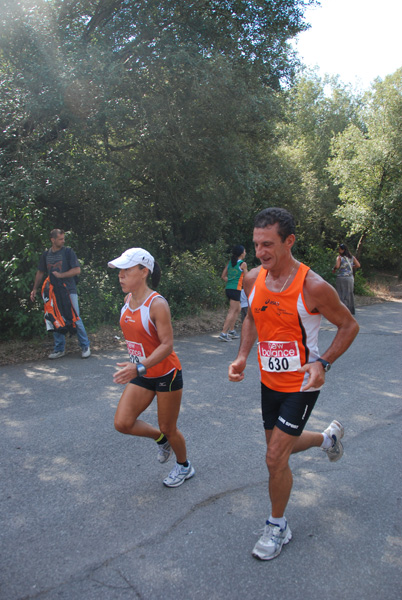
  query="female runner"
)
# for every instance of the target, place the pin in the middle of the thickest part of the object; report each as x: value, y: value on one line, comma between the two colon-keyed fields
x: 233, y: 275
x: 154, y: 368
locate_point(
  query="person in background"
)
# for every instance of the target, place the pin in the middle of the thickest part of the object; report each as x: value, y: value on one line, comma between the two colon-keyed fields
x: 154, y: 368
x: 243, y: 305
x: 233, y: 275
x: 345, y: 265
x: 63, y: 264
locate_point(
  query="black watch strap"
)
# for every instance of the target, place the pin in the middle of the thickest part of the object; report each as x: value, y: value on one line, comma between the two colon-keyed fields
x: 325, y: 364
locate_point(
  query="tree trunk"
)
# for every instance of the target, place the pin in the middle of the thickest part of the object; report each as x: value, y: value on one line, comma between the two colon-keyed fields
x: 360, y: 245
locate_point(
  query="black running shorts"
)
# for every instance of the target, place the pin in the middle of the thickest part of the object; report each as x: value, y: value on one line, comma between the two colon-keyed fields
x: 171, y: 382
x: 289, y: 411
x: 233, y: 294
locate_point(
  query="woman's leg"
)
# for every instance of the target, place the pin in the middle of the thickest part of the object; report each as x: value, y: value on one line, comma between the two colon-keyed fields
x: 231, y: 318
x: 134, y: 400
x: 168, y: 413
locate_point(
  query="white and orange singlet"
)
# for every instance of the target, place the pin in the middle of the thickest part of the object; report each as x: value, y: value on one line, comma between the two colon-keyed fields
x: 287, y: 332
x: 142, y: 338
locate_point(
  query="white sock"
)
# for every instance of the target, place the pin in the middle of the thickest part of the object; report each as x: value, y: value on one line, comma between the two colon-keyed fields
x: 281, y: 521
x: 327, y: 442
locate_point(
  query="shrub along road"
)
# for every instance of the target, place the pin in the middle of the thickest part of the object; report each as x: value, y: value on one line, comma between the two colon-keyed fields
x: 85, y: 515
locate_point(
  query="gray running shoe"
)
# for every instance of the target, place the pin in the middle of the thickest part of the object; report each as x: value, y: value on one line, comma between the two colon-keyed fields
x: 165, y: 451
x: 233, y: 335
x: 54, y: 355
x: 224, y: 337
x: 270, y: 543
x: 335, y: 431
x: 178, y: 475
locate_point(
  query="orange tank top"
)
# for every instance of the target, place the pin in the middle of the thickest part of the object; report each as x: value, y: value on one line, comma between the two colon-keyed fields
x: 142, y: 337
x: 287, y: 332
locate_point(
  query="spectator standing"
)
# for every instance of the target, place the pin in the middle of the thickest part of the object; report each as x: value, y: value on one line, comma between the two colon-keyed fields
x: 345, y: 281
x: 63, y: 263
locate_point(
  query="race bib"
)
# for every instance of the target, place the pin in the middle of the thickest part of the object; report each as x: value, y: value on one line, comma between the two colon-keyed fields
x: 279, y: 357
x: 135, y: 351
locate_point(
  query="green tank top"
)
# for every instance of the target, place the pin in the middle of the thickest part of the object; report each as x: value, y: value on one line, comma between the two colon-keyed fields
x: 235, y: 276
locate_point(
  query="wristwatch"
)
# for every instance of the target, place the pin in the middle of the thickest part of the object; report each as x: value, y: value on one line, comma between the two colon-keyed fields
x: 325, y: 364
x: 141, y: 370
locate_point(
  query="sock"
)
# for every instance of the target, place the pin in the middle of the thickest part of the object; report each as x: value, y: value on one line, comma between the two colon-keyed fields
x: 162, y: 439
x: 185, y: 464
x: 327, y: 442
x: 281, y: 521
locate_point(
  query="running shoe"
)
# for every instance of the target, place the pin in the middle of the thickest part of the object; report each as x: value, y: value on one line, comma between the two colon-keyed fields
x: 335, y: 431
x: 54, y: 355
x: 178, y: 475
x: 224, y: 337
x: 165, y: 451
x: 233, y: 335
x: 270, y: 543
x: 86, y: 353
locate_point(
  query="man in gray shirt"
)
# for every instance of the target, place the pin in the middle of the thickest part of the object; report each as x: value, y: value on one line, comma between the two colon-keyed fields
x: 63, y: 264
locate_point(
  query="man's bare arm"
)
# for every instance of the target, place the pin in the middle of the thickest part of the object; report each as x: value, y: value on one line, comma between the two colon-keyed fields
x: 321, y: 297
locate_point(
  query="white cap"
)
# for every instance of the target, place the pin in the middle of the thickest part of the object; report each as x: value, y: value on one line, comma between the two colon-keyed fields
x: 132, y: 257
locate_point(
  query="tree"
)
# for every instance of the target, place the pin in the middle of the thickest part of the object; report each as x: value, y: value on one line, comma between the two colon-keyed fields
x: 317, y: 109
x: 138, y: 122
x: 367, y: 166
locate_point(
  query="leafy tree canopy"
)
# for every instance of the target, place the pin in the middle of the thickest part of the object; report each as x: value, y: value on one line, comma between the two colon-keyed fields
x: 367, y: 165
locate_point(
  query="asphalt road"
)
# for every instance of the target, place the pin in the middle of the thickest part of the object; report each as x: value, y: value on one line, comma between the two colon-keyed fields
x: 84, y: 514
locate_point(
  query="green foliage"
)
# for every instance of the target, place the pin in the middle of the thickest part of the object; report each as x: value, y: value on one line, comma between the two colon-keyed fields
x: 23, y: 227
x: 321, y: 260
x: 165, y: 124
x: 191, y: 284
x: 100, y: 296
x: 367, y: 166
x: 316, y: 109
x: 361, y: 285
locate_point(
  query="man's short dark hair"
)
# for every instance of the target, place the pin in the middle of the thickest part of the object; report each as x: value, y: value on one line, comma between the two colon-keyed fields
x: 270, y: 216
x: 56, y: 232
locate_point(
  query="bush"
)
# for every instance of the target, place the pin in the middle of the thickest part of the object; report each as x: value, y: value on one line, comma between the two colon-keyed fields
x: 99, y: 295
x: 190, y: 284
x: 321, y: 260
x: 361, y: 285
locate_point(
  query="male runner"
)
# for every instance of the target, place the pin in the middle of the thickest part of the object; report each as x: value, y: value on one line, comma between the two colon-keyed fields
x: 286, y: 301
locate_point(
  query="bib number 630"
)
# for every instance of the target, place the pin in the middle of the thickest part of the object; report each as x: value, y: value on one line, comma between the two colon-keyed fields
x: 278, y: 364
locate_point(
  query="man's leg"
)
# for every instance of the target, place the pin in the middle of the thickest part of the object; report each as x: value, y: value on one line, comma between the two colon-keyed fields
x: 276, y: 531
x: 81, y: 333
x: 279, y: 448
x: 59, y: 341
x: 308, y: 439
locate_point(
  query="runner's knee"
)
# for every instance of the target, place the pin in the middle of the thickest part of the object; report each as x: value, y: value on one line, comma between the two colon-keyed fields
x: 277, y: 460
x: 122, y: 426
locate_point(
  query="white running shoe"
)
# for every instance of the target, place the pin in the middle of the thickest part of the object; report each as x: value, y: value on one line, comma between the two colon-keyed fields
x: 54, y: 355
x: 86, y: 353
x: 335, y: 432
x: 178, y: 475
x: 165, y: 451
x: 270, y: 543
